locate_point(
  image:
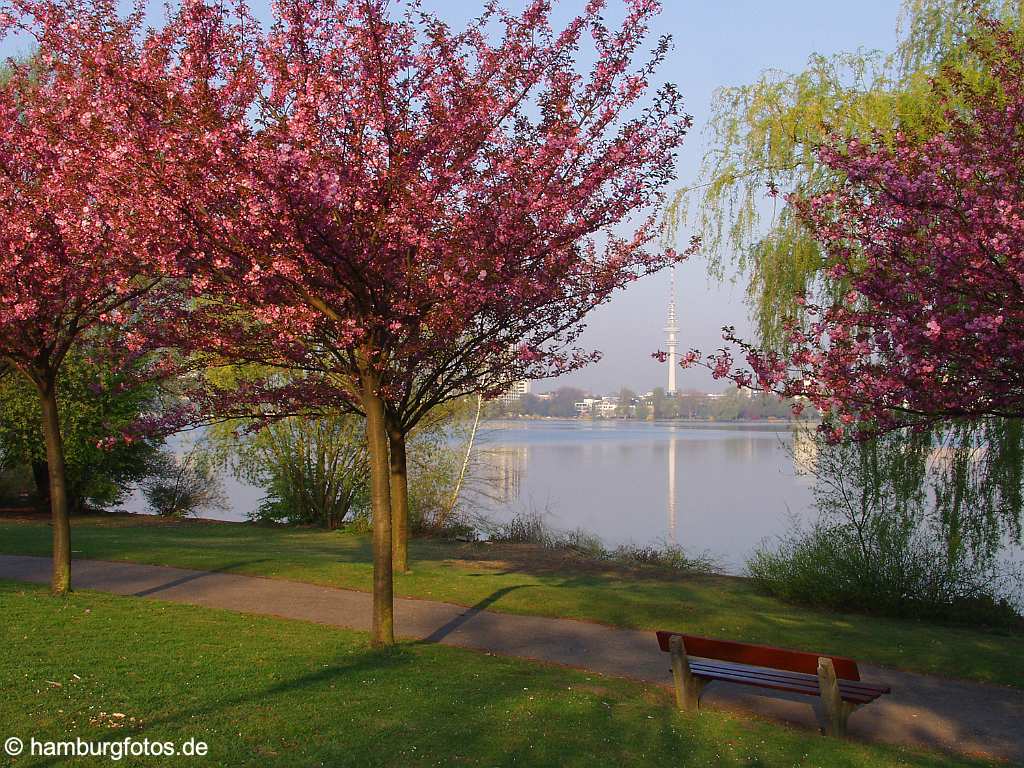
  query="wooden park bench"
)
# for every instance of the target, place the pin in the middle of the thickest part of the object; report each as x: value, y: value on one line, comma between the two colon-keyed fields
x: 697, y: 661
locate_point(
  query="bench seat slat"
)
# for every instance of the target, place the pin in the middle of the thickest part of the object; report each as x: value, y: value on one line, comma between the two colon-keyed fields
x: 784, y: 676
x: 791, y: 683
x: 778, y: 685
x: 793, y: 686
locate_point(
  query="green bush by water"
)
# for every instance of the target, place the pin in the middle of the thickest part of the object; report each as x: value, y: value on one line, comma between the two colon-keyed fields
x: 832, y: 567
x: 883, y: 543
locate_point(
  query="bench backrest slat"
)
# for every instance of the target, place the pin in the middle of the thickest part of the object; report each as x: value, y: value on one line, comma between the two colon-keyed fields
x: 759, y: 655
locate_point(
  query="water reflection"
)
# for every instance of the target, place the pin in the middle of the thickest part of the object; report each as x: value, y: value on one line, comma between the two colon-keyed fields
x: 508, y: 465
x: 721, y: 489
x: 805, y: 451
x: 715, y: 489
x: 673, y: 532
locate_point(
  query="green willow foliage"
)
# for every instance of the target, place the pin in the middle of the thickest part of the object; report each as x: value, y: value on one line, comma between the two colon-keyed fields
x: 931, y: 28
x: 886, y: 541
x: 761, y: 145
x: 964, y: 479
x: 976, y: 480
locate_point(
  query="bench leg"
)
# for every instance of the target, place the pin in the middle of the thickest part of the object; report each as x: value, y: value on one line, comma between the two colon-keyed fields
x: 688, y: 686
x: 837, y: 711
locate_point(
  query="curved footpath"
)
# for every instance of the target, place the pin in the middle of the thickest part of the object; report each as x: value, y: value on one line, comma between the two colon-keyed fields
x: 924, y: 711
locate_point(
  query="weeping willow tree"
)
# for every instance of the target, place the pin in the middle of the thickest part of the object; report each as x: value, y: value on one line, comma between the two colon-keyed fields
x: 761, y: 146
x: 931, y: 29
x: 950, y: 481
x: 884, y: 543
x: 765, y: 142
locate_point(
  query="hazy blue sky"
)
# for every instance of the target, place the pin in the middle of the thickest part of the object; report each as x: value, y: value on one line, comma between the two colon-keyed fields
x: 728, y: 42
x: 723, y: 42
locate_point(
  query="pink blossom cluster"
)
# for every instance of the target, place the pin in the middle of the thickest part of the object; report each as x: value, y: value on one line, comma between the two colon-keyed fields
x: 423, y: 204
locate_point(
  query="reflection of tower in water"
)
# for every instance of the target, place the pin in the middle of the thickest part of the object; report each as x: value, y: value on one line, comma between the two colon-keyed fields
x: 805, y: 451
x: 673, y: 521
x: 509, y: 465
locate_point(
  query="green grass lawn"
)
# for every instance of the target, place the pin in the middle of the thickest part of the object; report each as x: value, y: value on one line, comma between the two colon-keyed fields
x: 527, y: 581
x: 270, y: 692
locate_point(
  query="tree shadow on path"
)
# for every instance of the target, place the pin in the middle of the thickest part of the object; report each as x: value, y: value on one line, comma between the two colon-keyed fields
x: 195, y: 577
x: 443, y: 631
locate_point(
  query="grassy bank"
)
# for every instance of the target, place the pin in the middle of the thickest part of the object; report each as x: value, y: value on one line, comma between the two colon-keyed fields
x: 270, y: 692
x: 523, y: 579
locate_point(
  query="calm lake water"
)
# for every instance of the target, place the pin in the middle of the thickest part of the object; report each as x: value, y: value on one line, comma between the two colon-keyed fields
x: 715, y: 488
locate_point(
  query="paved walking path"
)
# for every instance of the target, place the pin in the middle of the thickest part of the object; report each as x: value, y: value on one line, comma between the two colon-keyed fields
x: 956, y: 716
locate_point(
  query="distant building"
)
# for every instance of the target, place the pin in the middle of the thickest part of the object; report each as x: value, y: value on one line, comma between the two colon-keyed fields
x: 585, y: 406
x: 515, y: 393
x: 602, y: 407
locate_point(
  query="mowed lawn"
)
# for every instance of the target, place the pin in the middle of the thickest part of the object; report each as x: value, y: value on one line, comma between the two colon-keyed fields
x: 270, y: 692
x: 525, y: 580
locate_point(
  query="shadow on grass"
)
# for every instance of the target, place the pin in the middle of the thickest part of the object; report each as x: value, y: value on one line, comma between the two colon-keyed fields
x: 473, y: 728
x: 649, y: 726
x: 459, y: 728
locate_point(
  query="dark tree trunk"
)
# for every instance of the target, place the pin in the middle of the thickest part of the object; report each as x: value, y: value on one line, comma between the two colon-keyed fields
x: 61, y: 582
x: 380, y: 497
x: 399, y: 499
x: 41, y: 476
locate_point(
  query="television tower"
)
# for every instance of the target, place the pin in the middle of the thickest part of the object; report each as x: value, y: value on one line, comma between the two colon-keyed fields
x: 672, y: 329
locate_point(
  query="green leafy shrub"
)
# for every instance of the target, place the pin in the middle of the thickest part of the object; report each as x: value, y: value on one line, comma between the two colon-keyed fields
x: 178, y: 486
x: 96, y: 403
x: 875, y: 548
x: 313, y: 468
x: 837, y: 568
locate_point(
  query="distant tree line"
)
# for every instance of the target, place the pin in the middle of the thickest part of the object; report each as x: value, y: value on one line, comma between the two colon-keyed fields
x: 561, y: 404
x: 731, y: 405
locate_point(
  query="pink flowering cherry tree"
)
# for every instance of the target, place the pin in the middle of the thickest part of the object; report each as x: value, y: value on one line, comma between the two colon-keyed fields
x: 72, y: 256
x: 416, y: 210
x: 92, y: 255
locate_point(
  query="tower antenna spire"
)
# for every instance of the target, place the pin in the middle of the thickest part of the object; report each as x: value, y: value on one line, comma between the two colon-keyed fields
x: 672, y: 330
